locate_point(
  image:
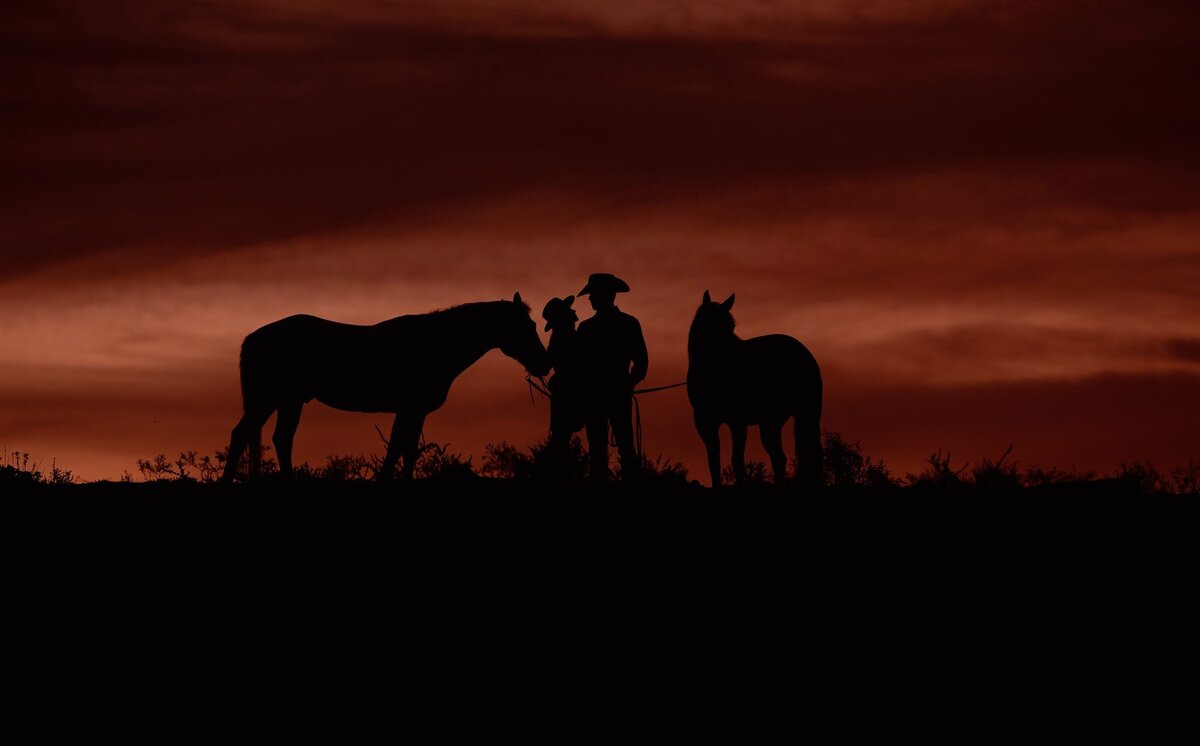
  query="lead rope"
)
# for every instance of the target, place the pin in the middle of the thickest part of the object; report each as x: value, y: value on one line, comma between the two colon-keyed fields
x: 543, y: 388
x: 637, y: 415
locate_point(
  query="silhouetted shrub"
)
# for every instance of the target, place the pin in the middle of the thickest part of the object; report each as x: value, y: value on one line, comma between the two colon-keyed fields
x: 156, y: 469
x: 190, y: 466
x: 939, y: 474
x: 437, y: 462
x: 756, y: 471
x: 505, y: 461
x: 1148, y: 478
x: 57, y: 475
x: 15, y: 467
x: 1185, y: 480
x: 1037, y: 476
x: 664, y: 470
x: 204, y: 468
x: 845, y: 464
x: 996, y: 475
x: 343, y: 468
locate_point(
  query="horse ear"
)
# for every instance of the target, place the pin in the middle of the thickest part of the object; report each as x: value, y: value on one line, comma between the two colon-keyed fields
x: 707, y: 297
x: 728, y: 304
x: 517, y: 298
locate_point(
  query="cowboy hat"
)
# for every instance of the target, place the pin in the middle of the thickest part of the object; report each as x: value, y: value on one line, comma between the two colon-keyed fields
x: 601, y: 282
x: 556, y: 308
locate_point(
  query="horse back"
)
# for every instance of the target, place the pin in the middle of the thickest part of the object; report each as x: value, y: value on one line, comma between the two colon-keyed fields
x: 765, y: 378
x: 348, y: 366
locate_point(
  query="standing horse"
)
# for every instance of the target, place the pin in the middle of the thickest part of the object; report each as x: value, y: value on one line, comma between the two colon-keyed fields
x: 758, y: 381
x: 404, y: 365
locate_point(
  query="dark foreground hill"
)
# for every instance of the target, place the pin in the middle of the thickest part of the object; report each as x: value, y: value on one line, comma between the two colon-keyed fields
x: 661, y: 611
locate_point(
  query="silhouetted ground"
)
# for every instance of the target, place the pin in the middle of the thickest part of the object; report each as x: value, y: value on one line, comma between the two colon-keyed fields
x: 516, y: 610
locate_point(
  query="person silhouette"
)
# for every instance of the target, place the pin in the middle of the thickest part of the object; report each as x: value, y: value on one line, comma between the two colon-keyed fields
x: 566, y: 385
x: 615, y: 361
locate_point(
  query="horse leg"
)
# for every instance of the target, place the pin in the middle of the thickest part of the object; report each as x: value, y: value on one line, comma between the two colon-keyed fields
x: 738, y: 446
x: 410, y: 445
x: 237, y: 445
x: 809, y: 454
x: 247, y: 432
x: 772, y: 440
x: 405, y: 440
x: 710, y: 433
x: 621, y: 416
x: 285, y: 432
x: 392, y: 457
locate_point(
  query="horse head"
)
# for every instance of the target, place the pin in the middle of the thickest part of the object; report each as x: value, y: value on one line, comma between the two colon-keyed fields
x: 519, y: 338
x: 714, y: 322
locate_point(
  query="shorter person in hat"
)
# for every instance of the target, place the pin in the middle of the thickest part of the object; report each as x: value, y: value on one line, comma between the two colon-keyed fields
x: 615, y: 361
x: 566, y: 385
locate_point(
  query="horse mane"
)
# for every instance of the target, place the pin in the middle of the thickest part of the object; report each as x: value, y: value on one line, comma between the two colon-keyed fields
x: 464, y: 306
x: 451, y: 315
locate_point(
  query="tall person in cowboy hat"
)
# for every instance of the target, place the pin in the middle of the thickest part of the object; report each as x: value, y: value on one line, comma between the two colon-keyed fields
x: 616, y: 361
x: 567, y: 383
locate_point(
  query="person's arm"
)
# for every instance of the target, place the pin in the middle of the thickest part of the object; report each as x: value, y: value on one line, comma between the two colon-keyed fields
x: 641, y: 358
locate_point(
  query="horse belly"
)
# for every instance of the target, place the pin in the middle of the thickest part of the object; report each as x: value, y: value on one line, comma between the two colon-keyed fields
x: 349, y: 389
x: 739, y: 401
x: 389, y: 396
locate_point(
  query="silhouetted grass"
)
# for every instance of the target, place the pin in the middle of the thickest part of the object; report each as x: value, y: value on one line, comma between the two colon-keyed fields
x: 846, y: 468
x: 16, y: 467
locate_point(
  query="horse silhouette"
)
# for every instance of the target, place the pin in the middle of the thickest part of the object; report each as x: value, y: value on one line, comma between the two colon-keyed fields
x: 758, y: 381
x: 404, y: 365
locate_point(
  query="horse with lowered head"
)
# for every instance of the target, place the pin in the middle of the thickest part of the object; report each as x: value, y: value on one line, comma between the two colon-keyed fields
x: 404, y: 366
x: 758, y: 381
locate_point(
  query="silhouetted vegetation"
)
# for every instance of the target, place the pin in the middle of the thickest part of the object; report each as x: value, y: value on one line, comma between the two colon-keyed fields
x: 846, y: 467
x: 17, y: 467
x: 1037, y: 476
x: 506, y: 461
x: 845, y: 464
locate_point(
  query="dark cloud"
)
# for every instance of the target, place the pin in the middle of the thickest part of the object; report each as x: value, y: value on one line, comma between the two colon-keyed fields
x: 214, y: 125
x: 1186, y: 349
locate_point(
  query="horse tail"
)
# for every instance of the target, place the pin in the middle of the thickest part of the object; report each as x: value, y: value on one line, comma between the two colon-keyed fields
x: 245, y: 371
x: 255, y: 398
x: 810, y: 457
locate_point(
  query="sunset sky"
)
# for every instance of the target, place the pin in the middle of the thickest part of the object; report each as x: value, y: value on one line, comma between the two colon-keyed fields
x: 981, y: 217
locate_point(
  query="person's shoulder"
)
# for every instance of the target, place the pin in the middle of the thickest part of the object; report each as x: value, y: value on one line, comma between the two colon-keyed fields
x: 630, y: 320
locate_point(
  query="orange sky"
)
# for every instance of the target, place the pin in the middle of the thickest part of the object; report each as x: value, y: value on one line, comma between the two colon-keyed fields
x: 981, y: 217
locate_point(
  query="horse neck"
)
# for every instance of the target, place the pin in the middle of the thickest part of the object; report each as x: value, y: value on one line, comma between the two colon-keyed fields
x: 710, y: 346
x: 477, y: 326
x: 463, y: 334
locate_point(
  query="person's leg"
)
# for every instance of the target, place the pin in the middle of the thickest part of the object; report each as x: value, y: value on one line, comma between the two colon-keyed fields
x: 620, y: 411
x: 597, y: 437
x: 555, y: 459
